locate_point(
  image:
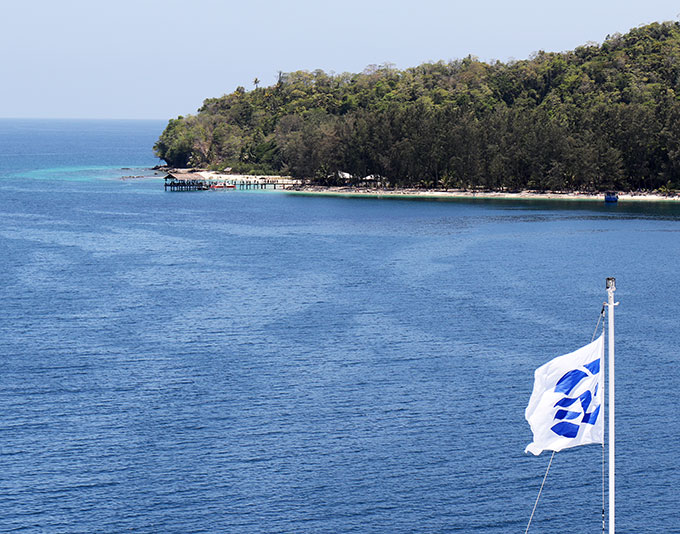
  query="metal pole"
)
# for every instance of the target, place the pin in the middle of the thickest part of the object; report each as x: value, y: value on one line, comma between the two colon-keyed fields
x: 611, y: 287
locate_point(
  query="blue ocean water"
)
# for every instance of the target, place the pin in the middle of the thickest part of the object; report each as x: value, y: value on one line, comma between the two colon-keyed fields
x: 259, y: 362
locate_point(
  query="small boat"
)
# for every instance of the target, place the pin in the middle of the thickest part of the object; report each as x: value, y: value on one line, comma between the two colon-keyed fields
x: 222, y: 186
x: 611, y: 196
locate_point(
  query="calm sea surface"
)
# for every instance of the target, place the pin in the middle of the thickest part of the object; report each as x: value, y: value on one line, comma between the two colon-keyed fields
x: 257, y: 362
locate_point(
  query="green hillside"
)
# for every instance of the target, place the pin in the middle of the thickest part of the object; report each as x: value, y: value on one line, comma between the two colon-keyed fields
x: 594, y: 118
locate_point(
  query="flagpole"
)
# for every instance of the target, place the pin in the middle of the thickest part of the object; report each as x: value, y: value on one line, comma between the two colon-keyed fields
x: 611, y: 287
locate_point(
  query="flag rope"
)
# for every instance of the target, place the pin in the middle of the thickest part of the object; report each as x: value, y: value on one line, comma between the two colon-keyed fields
x: 599, y: 320
x: 540, y: 490
x: 604, y: 522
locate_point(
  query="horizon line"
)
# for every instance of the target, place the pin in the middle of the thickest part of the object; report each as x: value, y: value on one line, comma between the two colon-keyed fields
x: 82, y: 119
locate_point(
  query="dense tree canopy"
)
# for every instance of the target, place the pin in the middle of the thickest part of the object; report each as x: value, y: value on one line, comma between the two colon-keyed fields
x: 598, y: 117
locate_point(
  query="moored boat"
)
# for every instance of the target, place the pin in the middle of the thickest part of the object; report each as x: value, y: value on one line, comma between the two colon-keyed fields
x: 611, y: 196
x: 222, y: 186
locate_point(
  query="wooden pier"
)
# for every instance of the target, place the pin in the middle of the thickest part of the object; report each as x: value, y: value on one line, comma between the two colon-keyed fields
x: 199, y: 181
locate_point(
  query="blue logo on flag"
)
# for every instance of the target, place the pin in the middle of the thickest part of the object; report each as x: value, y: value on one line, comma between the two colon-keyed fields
x: 566, y: 385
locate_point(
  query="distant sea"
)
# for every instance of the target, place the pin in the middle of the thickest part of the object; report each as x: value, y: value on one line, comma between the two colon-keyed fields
x: 256, y: 362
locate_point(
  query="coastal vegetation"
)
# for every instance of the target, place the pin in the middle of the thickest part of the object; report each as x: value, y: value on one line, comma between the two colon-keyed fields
x: 602, y: 116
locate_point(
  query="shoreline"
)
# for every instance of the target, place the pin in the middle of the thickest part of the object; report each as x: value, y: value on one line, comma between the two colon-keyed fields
x: 293, y: 186
x: 457, y: 194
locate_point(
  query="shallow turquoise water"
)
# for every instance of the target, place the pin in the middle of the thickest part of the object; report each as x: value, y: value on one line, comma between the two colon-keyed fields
x: 260, y: 362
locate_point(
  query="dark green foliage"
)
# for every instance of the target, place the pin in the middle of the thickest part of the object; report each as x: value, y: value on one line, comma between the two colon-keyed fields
x: 594, y: 118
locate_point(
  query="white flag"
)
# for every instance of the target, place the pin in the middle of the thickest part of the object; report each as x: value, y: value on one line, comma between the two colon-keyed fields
x: 565, y: 408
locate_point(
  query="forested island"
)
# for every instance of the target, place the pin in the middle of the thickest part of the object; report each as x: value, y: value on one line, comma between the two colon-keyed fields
x: 598, y: 117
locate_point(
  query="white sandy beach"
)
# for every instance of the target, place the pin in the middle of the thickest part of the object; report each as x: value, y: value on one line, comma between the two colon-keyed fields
x: 454, y: 194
